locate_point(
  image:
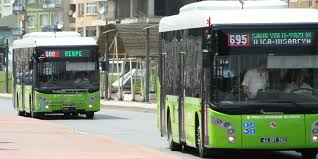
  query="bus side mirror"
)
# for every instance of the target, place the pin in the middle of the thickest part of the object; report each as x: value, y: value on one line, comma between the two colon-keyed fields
x: 207, y: 58
x: 30, y: 65
x: 103, y: 64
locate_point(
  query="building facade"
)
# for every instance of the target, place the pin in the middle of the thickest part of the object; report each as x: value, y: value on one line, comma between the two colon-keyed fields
x: 303, y: 4
x: 5, y: 8
x: 49, y: 15
x: 91, y: 15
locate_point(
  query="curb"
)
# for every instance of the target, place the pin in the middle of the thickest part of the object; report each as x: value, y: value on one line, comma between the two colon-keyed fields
x: 146, y: 107
x: 5, y: 95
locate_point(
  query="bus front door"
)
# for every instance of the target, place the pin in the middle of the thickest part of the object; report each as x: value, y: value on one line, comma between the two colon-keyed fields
x: 162, y: 97
x: 181, y: 98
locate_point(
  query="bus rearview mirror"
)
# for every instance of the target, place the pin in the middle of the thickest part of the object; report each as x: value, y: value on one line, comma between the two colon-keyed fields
x: 207, y: 58
x: 103, y: 64
x: 30, y: 65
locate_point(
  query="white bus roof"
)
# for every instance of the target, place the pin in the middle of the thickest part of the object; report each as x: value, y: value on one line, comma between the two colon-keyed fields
x: 228, y: 13
x: 49, y: 39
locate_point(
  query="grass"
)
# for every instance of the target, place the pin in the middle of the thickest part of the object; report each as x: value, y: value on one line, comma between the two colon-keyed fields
x: 3, y: 82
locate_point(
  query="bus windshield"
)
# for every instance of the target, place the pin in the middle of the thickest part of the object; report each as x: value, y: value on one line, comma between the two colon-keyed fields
x: 67, y: 75
x: 244, y: 80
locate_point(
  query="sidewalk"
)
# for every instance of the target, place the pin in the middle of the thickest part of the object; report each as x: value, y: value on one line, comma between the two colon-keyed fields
x: 114, y: 103
x: 27, y: 138
x: 127, y: 104
x: 4, y: 95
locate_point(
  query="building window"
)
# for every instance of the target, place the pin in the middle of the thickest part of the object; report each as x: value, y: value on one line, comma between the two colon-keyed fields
x: 6, y: 2
x: 81, y: 31
x: 52, y: 3
x: 54, y: 19
x: 91, y: 31
x: 81, y: 9
x: 44, y: 20
x: 31, y: 21
x: 102, y: 10
x: 91, y: 8
x: 31, y: 1
x: 103, y: 7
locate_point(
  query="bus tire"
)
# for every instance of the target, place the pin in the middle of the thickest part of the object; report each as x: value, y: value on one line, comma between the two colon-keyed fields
x: 21, y: 113
x: 308, y: 155
x: 172, y: 145
x: 28, y: 114
x: 75, y: 115
x: 202, y: 151
x: 89, y: 115
x: 37, y: 115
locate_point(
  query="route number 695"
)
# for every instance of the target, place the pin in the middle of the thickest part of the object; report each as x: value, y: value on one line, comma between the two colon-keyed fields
x: 238, y: 40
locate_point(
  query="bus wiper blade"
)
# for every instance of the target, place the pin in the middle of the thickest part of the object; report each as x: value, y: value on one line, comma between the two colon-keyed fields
x: 70, y: 90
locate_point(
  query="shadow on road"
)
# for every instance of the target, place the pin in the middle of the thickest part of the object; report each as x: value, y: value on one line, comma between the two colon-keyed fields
x: 231, y: 154
x: 81, y: 117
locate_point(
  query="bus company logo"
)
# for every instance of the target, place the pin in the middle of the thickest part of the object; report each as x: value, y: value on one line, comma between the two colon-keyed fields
x: 273, y: 124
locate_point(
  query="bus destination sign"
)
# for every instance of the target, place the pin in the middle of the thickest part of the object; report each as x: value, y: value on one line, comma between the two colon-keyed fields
x: 253, y: 39
x: 65, y: 53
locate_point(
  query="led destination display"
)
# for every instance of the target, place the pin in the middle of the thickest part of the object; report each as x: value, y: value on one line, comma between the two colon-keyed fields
x: 269, y: 39
x: 66, y: 53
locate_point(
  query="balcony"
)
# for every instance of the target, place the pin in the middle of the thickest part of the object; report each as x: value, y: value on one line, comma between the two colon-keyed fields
x: 17, y: 7
x: 48, y: 29
x: 17, y: 32
x: 52, y: 5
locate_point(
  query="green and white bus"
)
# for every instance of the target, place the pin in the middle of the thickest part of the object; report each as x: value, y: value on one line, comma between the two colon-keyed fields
x: 55, y: 72
x: 204, y: 55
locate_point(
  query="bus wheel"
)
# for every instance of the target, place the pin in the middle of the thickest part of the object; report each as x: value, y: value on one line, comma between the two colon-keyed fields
x: 37, y: 115
x: 21, y: 113
x: 89, y: 115
x: 308, y: 155
x: 28, y: 114
x: 67, y: 115
x: 75, y: 115
x: 202, y: 152
x: 172, y: 145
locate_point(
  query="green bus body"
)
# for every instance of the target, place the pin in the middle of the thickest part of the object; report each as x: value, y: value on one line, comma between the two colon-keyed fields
x: 46, y: 78
x: 193, y: 112
x: 297, y: 128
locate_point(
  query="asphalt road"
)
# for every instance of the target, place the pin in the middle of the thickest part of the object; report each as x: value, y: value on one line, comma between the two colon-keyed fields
x: 139, y: 128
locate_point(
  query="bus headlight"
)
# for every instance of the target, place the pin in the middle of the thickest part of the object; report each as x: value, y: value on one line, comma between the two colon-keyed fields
x: 315, y: 138
x: 231, y: 139
x: 315, y: 131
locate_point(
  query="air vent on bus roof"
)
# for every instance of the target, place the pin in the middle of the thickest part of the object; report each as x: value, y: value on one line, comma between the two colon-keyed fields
x: 233, y: 5
x: 52, y: 35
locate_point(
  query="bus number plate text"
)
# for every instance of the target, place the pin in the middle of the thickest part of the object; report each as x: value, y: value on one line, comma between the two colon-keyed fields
x: 274, y: 139
x: 237, y: 39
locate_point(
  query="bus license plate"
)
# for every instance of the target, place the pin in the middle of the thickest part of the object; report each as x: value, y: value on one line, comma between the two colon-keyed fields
x: 69, y: 108
x: 274, y: 139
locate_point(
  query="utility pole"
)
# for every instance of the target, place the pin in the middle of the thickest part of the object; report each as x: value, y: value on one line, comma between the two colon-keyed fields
x: 147, y: 64
x: 106, y: 62
x: 7, y: 65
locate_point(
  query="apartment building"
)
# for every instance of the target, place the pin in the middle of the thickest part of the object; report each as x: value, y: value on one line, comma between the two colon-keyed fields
x: 91, y: 15
x: 5, y: 7
x: 303, y: 4
x: 49, y: 15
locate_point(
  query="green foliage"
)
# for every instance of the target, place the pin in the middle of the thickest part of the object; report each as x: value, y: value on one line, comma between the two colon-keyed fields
x: 3, y: 82
x: 2, y: 43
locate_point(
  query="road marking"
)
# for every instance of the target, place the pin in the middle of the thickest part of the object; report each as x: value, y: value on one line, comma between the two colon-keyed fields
x: 80, y: 132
